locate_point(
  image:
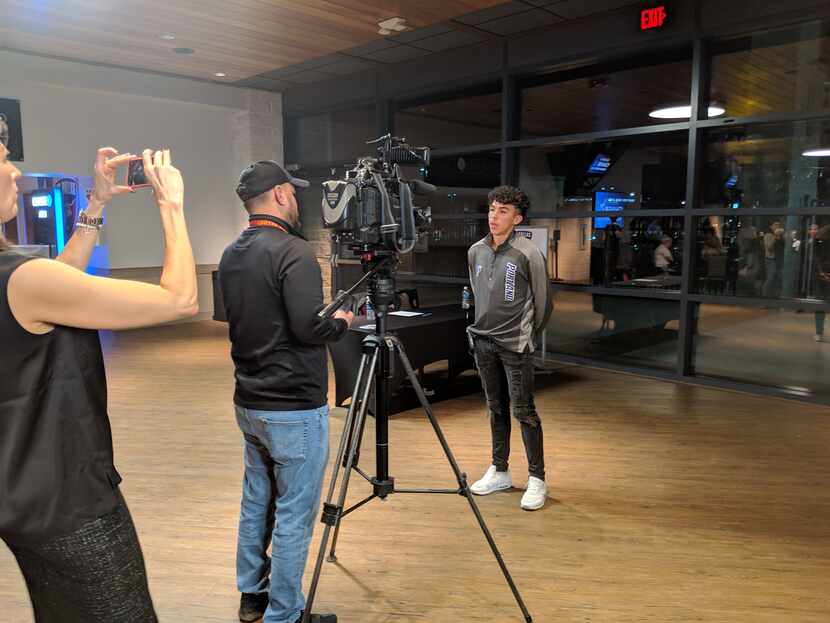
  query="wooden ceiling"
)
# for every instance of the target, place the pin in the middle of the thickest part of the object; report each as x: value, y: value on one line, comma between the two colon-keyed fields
x: 240, y: 38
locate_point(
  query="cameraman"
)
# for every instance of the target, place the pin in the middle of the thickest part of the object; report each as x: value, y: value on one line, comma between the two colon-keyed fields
x: 510, y: 283
x: 272, y: 289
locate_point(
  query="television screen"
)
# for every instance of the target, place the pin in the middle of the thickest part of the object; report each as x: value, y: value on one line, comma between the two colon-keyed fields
x: 608, y: 201
x: 600, y: 164
x: 601, y: 222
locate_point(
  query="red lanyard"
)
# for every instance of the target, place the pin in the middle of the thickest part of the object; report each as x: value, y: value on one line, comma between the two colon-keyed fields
x: 265, y: 223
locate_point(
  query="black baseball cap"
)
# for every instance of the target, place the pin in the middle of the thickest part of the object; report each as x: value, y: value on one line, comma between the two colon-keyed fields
x: 262, y: 176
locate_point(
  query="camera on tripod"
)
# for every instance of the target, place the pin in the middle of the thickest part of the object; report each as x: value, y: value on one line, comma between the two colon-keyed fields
x: 373, y: 209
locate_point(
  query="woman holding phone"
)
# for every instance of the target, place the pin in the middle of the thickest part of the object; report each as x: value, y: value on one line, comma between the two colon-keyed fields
x: 61, y: 511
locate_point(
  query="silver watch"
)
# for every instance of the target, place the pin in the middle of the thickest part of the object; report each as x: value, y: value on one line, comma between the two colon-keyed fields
x: 84, y: 220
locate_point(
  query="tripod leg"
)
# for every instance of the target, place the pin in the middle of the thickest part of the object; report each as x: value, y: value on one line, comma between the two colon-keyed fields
x: 348, y: 434
x: 331, y: 513
x: 461, y: 477
x: 356, y: 438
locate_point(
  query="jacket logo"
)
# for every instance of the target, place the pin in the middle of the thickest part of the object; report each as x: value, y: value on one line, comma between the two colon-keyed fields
x: 510, y: 282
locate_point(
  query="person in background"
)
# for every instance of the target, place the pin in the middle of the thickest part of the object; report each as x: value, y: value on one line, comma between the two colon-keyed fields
x: 773, y: 242
x: 662, y: 254
x: 816, y: 251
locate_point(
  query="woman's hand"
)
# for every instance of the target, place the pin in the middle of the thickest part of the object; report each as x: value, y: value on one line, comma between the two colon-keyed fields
x: 165, y: 179
x: 107, y: 162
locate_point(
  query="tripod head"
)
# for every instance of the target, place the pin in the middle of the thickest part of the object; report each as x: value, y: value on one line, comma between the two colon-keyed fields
x: 379, y: 271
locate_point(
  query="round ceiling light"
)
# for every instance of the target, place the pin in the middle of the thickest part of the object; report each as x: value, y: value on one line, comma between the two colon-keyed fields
x: 220, y: 74
x: 817, y: 153
x: 684, y: 112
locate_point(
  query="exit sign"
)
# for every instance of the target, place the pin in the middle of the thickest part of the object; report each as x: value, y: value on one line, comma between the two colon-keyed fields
x: 653, y: 18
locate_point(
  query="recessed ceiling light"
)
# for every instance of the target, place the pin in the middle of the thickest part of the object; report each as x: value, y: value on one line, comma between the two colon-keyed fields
x: 684, y: 112
x: 184, y: 50
x: 220, y: 74
x: 168, y: 37
x: 817, y: 153
x: 392, y: 25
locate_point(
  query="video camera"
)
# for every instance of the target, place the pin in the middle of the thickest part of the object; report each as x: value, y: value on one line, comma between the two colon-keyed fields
x: 372, y: 209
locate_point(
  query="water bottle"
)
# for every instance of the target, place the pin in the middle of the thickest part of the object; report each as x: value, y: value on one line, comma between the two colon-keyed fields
x: 466, y: 298
x: 370, y: 311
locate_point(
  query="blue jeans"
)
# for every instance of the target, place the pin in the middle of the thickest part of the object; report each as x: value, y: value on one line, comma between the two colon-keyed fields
x: 285, y: 457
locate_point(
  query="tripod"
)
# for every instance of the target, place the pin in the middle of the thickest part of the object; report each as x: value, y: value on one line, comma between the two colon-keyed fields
x: 379, y: 353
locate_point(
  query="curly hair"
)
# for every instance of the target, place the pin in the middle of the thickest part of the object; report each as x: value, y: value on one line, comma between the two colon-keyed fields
x: 510, y: 195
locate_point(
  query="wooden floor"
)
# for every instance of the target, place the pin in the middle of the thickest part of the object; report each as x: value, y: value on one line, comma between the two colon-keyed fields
x: 668, y: 502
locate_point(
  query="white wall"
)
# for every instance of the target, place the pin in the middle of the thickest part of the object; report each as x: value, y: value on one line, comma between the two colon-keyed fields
x: 214, y: 131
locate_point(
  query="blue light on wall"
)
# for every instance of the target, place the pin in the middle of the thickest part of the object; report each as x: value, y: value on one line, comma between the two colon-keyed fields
x: 57, y: 202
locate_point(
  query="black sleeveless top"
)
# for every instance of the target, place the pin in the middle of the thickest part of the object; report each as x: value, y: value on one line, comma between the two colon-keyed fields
x: 56, y: 464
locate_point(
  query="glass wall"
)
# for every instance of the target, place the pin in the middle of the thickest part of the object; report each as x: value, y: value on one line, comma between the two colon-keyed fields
x: 771, y: 347
x: 761, y: 250
x: 784, y: 70
x: 617, y: 329
x: 625, y: 94
x: 469, y: 120
x: 738, y: 253
x: 459, y: 211
x: 772, y: 256
x: 618, y: 188
x: 644, y: 172
x: 774, y: 166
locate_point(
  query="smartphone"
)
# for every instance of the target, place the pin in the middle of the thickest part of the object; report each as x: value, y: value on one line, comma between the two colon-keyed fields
x: 135, y: 174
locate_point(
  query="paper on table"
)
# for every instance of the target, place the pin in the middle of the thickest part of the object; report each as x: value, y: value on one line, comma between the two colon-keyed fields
x: 366, y: 326
x: 406, y: 314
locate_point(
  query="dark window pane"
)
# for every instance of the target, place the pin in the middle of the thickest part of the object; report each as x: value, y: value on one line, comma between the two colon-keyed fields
x: 777, y: 71
x: 330, y: 137
x: 609, y: 251
x: 781, y: 166
x: 770, y: 256
x: 459, y: 211
x: 775, y: 348
x: 455, y: 122
x: 626, y: 330
x: 592, y: 99
x: 635, y: 173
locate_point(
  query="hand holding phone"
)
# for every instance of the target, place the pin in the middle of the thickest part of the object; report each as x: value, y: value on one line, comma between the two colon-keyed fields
x: 107, y: 162
x: 165, y: 179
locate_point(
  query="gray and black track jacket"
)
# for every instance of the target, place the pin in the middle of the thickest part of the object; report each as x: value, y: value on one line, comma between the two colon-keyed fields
x: 512, y: 291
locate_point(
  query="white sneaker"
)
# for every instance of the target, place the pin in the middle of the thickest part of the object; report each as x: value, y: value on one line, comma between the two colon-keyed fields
x: 534, y: 497
x: 492, y: 481
x: 819, y: 337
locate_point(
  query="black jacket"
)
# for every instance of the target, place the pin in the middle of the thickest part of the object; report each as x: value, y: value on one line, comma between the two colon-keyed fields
x: 273, y: 289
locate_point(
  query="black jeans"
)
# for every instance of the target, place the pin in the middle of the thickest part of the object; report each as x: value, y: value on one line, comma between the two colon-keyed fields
x: 95, y: 574
x: 507, y: 378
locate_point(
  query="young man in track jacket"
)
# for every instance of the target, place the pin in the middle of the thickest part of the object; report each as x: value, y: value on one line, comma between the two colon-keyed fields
x: 509, y: 278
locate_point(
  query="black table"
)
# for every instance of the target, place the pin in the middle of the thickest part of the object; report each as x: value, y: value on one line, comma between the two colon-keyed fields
x: 630, y: 313
x: 438, y: 335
